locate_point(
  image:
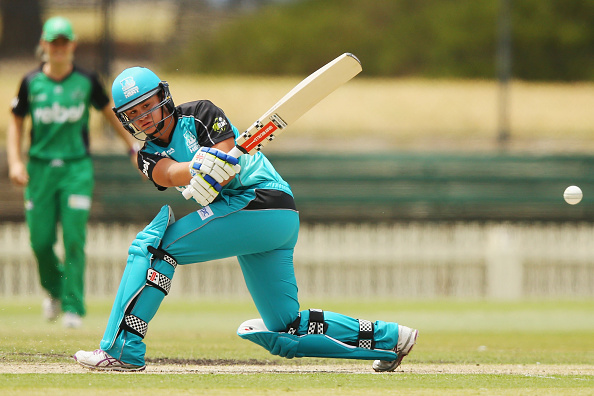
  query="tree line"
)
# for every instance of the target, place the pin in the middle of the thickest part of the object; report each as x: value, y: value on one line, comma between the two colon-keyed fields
x: 550, y: 40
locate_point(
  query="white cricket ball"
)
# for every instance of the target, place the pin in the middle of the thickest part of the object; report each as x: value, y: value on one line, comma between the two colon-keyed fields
x: 573, y: 195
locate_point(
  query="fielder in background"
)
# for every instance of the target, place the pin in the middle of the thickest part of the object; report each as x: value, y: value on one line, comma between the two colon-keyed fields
x: 59, y: 173
x: 247, y: 210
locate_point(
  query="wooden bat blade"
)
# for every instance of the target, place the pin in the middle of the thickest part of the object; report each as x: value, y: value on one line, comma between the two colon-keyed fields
x: 298, y: 101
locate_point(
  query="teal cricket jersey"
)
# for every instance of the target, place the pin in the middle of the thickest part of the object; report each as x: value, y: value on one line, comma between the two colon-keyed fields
x: 201, y: 123
x: 59, y: 112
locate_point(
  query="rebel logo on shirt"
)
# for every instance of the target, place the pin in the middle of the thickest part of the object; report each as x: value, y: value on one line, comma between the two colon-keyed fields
x: 58, y: 114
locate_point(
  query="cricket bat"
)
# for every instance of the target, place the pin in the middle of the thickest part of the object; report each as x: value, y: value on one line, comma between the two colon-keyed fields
x: 294, y: 104
x: 297, y: 102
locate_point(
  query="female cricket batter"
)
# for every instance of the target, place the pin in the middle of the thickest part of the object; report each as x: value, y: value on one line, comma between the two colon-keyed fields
x: 247, y: 211
x: 59, y: 173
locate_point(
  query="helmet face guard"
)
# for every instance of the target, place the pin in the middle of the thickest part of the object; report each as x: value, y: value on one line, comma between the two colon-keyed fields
x: 166, y: 102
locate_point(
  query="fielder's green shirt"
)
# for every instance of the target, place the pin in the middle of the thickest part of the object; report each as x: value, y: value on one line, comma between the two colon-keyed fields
x: 59, y: 112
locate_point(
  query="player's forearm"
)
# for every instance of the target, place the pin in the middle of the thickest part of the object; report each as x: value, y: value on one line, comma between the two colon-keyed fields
x: 17, y: 171
x: 169, y: 173
x: 13, y: 140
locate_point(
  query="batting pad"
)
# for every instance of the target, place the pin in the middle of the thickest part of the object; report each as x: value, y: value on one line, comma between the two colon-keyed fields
x: 309, y: 345
x: 134, y: 278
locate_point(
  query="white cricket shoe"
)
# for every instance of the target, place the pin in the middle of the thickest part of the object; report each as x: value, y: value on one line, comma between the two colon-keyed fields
x: 71, y: 320
x: 51, y: 308
x: 100, y: 360
x: 407, y: 338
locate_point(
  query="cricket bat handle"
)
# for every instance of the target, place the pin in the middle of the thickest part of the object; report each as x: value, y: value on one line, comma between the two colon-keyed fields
x: 235, y: 152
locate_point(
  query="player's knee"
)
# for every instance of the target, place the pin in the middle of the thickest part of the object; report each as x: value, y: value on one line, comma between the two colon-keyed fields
x: 279, y: 322
x: 277, y: 343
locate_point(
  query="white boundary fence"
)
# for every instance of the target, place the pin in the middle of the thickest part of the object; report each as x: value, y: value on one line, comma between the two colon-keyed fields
x: 408, y: 261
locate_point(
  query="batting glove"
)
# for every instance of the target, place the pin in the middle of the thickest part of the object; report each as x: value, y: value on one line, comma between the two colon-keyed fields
x: 215, y: 163
x: 203, y: 188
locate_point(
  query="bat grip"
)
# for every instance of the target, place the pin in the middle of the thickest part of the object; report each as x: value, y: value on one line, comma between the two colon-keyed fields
x: 235, y: 152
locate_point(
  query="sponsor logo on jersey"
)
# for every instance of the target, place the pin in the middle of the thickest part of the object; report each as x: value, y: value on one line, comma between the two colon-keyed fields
x: 145, y: 167
x: 191, y: 141
x: 220, y: 125
x: 205, y: 212
x: 129, y: 87
x: 166, y: 154
x: 77, y: 95
x: 42, y: 97
x: 58, y: 114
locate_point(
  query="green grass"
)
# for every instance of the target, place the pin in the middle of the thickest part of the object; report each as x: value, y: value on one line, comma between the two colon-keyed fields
x: 451, y: 332
x: 306, y: 383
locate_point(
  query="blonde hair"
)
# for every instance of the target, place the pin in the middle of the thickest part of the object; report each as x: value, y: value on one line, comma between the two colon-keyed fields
x: 40, y: 53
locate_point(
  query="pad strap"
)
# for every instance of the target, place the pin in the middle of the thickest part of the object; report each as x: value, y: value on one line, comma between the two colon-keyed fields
x: 365, y: 337
x: 163, y: 255
x: 158, y: 280
x: 366, y: 329
x: 293, y: 327
x: 316, y: 322
x: 135, y: 325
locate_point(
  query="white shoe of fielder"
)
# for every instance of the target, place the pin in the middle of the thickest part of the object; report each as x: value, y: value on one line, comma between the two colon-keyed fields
x: 407, y: 338
x: 71, y: 320
x: 51, y: 308
x: 100, y: 360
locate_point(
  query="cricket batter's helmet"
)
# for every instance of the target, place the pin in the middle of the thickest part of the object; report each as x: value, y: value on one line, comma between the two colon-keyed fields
x: 135, y: 85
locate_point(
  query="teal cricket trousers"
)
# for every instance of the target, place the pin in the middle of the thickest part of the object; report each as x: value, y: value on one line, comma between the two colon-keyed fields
x: 261, y: 229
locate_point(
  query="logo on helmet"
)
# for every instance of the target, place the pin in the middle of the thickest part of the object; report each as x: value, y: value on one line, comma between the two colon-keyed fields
x: 129, y: 87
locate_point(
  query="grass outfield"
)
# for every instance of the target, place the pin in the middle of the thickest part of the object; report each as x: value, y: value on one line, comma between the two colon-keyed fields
x: 464, y: 348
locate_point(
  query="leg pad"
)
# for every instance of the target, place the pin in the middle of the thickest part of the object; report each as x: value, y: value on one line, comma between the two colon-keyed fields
x: 136, y: 277
x: 309, y: 345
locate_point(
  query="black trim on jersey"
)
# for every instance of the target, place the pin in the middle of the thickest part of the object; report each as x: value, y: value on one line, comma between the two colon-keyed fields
x: 271, y: 199
x: 205, y: 115
x: 146, y: 163
x: 21, y: 107
x: 98, y: 98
